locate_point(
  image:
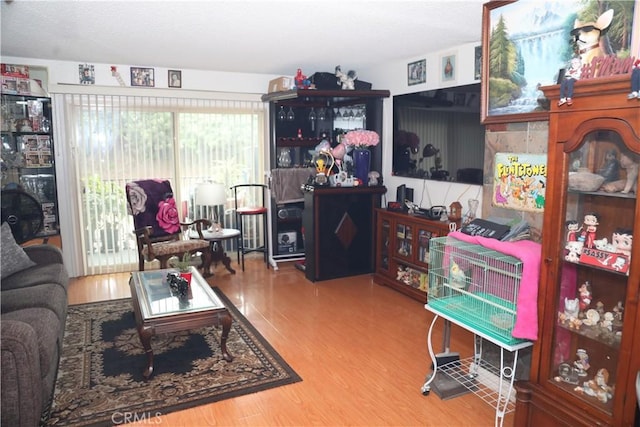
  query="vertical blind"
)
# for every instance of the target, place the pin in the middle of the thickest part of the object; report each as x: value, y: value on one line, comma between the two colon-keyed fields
x: 114, y: 139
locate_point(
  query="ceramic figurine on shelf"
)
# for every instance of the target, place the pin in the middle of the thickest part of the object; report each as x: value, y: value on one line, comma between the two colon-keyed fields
x: 584, y: 295
x: 611, y: 168
x: 623, y: 241
x: 598, y: 387
x: 573, y: 228
x: 571, y: 307
x: 618, y: 311
x: 574, y: 248
x: 588, y: 235
x: 582, y: 364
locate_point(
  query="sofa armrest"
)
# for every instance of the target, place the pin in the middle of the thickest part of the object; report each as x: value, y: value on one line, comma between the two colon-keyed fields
x: 44, y: 254
x: 21, y: 385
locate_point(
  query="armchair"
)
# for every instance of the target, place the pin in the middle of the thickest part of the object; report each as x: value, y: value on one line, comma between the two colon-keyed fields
x: 157, y: 227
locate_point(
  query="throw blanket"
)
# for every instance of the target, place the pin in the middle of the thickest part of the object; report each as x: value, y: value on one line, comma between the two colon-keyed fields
x: 526, y: 325
x: 286, y: 183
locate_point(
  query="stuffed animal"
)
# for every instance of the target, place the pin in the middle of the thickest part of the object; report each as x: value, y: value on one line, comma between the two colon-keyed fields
x: 348, y: 79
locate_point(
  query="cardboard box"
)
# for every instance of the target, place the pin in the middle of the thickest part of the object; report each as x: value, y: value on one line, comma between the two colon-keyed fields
x: 281, y: 84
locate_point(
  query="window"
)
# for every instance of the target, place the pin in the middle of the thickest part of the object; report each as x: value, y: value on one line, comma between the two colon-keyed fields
x: 113, y: 139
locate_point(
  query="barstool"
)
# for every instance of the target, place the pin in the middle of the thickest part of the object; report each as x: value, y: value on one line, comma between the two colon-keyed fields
x: 250, y: 201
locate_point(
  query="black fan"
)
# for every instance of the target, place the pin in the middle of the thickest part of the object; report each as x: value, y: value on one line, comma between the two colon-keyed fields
x: 24, y: 214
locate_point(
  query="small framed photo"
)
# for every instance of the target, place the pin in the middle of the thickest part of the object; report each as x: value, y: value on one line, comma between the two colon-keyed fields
x: 86, y: 74
x: 142, y: 77
x: 417, y: 72
x: 448, y: 68
x: 175, y: 78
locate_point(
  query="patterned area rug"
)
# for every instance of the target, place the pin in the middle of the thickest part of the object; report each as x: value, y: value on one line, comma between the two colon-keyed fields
x: 100, y: 378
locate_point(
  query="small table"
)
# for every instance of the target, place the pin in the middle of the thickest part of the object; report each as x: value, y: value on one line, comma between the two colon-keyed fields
x: 157, y: 311
x: 216, y: 238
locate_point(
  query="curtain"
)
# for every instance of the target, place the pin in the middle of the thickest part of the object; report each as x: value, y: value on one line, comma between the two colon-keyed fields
x: 113, y: 139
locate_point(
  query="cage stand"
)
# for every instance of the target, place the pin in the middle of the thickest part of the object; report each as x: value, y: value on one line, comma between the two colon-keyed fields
x: 493, y: 385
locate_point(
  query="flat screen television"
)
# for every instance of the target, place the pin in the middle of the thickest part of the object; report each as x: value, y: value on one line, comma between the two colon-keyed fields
x: 437, y: 135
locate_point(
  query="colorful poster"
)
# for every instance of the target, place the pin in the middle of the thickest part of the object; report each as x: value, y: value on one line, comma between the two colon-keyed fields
x: 520, y: 181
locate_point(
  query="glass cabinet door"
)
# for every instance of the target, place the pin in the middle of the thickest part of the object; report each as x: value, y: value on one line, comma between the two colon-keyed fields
x: 592, y: 281
x: 384, y: 228
x: 404, y: 241
x: 424, y: 236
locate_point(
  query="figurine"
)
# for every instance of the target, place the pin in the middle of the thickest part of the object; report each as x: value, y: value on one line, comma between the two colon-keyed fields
x: 573, y: 228
x: 630, y: 182
x: 575, y: 248
x: 592, y: 317
x: 600, y: 308
x: 588, y: 235
x: 302, y: 82
x: 584, y: 294
x: 598, y: 387
x: 570, y: 77
x: 607, y: 321
x: 618, y: 310
x: 611, y: 168
x: 347, y: 80
x: 623, y: 241
x: 635, y: 80
x: 571, y: 308
x: 582, y: 364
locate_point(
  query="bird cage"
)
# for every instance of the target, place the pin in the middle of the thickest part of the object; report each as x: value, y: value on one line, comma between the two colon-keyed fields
x: 475, y: 286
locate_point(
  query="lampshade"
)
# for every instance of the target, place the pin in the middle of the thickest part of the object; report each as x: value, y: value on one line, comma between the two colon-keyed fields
x: 211, y: 194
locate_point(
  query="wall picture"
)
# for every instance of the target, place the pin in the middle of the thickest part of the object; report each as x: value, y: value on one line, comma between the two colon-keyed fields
x: 175, y: 78
x: 417, y: 72
x: 519, y: 181
x: 142, y: 77
x: 526, y: 44
x: 448, y: 68
x: 86, y: 74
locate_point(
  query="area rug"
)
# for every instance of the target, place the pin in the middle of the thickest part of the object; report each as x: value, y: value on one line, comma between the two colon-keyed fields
x: 100, y: 378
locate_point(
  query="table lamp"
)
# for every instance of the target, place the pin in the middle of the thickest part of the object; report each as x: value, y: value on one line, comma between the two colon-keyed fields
x: 212, y: 194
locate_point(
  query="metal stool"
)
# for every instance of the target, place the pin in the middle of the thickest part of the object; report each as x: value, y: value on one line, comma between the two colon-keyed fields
x: 250, y: 201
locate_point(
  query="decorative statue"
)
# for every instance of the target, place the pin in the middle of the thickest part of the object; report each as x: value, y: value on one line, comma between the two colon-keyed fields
x: 582, y: 364
x: 631, y: 181
x: 570, y: 77
x: 611, y: 168
x: 587, y: 36
x: 623, y: 241
x: 588, y: 235
x: 348, y: 79
x: 584, y: 295
x: 573, y: 228
x: 635, y: 80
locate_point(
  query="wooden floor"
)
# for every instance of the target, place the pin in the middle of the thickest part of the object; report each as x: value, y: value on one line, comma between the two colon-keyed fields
x: 359, y: 347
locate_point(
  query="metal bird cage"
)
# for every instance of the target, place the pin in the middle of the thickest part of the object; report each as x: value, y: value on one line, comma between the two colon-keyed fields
x: 475, y: 286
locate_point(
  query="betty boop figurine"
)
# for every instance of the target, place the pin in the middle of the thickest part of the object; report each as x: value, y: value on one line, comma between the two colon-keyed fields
x: 589, y: 231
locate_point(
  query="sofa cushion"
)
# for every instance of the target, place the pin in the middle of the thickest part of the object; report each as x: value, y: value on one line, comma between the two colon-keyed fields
x: 47, y: 328
x: 47, y: 296
x: 38, y: 275
x: 14, y: 257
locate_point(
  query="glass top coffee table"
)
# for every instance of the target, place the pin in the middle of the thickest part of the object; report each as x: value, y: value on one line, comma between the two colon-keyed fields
x: 159, y: 311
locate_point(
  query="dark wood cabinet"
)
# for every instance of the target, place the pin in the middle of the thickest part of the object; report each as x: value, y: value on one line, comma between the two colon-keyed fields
x: 339, y: 229
x: 586, y: 360
x: 402, y: 251
x: 298, y: 120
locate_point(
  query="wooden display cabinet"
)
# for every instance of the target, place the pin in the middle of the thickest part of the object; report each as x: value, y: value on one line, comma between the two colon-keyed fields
x: 402, y: 251
x: 584, y: 365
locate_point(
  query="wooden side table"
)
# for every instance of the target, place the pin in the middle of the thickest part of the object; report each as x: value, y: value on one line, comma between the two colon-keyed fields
x: 216, y: 238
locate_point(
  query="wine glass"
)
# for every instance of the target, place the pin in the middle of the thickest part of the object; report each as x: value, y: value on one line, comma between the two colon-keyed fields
x: 291, y: 115
x: 281, y: 114
x: 322, y: 115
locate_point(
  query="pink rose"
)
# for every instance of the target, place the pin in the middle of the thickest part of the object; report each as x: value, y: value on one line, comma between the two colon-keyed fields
x: 168, y: 216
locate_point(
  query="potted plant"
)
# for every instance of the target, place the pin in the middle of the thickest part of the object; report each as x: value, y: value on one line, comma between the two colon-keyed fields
x: 183, y: 265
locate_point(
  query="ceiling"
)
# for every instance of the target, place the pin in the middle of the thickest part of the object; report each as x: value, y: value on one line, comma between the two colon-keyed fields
x: 264, y: 37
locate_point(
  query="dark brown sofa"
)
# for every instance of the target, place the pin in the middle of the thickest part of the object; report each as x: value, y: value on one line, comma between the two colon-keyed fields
x: 33, y: 314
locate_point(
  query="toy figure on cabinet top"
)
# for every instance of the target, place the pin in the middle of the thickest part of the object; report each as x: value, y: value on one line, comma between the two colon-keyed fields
x: 348, y: 79
x: 302, y: 82
x: 570, y: 77
x: 635, y: 81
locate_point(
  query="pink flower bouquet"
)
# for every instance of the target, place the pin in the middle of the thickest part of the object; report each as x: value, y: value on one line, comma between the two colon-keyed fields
x: 361, y: 138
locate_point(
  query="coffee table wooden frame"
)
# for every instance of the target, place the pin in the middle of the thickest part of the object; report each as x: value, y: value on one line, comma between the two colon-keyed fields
x: 161, y: 323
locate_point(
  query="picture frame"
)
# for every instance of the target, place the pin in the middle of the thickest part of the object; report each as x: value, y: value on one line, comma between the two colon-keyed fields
x: 448, y: 68
x: 477, y: 69
x: 175, y: 78
x: 511, y: 93
x: 417, y: 72
x: 142, y: 77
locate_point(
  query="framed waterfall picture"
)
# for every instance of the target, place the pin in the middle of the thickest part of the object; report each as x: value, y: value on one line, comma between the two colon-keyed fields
x: 526, y: 45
